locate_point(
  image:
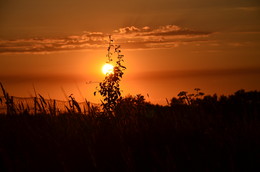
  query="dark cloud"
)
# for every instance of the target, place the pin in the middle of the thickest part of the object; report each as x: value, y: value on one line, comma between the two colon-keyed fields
x: 45, y: 45
x: 168, y: 30
x: 168, y: 36
x: 174, y: 74
x: 131, y: 37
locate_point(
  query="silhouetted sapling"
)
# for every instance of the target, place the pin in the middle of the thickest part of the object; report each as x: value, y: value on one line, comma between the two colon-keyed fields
x: 109, y: 88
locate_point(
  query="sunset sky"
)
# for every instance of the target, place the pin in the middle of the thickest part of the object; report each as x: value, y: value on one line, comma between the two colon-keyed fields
x: 169, y: 46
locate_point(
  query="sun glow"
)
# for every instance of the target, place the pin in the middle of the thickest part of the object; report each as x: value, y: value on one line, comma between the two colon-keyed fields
x: 107, y: 69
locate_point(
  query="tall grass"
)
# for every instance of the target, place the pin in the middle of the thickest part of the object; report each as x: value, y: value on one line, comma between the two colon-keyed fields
x: 208, y: 134
x: 39, y: 105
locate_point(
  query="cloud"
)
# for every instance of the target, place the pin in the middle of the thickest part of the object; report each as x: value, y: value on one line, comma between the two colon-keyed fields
x: 88, y: 40
x: 174, y: 74
x: 168, y: 36
x: 247, y: 9
x: 132, y: 37
x: 168, y: 30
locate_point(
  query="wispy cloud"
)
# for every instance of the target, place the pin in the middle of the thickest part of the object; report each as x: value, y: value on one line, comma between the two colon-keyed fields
x: 132, y: 37
x: 88, y: 40
x: 174, y: 74
x: 168, y: 36
x: 247, y: 9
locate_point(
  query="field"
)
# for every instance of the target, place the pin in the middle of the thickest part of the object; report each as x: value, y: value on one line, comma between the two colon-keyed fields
x: 206, y: 134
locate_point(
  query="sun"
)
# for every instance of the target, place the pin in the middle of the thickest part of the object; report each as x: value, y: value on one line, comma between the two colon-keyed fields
x: 107, y: 68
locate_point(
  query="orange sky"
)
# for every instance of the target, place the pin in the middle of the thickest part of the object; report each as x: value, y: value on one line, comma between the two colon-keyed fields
x: 169, y: 46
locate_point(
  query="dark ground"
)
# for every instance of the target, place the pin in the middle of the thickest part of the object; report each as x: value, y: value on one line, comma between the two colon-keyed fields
x: 210, y: 134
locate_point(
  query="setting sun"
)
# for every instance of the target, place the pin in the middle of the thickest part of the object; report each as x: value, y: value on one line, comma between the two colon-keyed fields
x: 107, y: 69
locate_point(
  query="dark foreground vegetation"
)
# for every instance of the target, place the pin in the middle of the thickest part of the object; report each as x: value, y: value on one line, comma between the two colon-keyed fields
x: 194, y: 132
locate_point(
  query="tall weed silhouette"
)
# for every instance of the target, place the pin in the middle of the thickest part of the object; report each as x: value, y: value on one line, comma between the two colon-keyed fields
x: 109, y: 88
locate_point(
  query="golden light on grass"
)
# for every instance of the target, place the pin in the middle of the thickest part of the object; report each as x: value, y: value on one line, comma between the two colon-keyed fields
x: 107, y: 69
